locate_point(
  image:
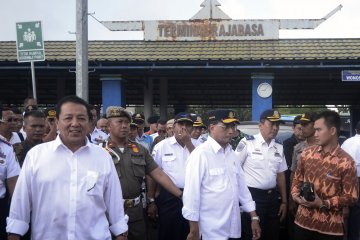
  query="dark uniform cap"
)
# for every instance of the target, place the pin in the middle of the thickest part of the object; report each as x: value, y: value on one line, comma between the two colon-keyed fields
x: 183, y: 117
x: 223, y: 115
x: 271, y: 115
x: 297, y: 119
x: 307, y: 117
x: 50, y: 113
x: 133, y: 124
x: 30, y: 108
x: 138, y: 117
x: 115, y: 111
x: 199, y: 123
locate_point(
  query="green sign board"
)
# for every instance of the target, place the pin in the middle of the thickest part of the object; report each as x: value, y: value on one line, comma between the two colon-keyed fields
x: 29, y: 44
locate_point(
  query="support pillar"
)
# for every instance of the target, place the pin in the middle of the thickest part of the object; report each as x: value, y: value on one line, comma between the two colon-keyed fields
x: 259, y: 104
x: 163, y: 98
x: 113, y: 93
x: 148, y: 97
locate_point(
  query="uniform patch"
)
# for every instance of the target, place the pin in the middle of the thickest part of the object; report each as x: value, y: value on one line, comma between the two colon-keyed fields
x: 277, y: 154
x: 240, y: 147
x: 2, y: 155
x: 257, y: 153
x: 249, y: 137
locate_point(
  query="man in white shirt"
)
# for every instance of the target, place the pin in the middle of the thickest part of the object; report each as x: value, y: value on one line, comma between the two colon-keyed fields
x: 263, y: 161
x: 171, y: 155
x: 68, y: 187
x: 97, y: 136
x: 215, y: 184
x: 9, y: 171
x: 8, y: 123
x: 198, y: 128
x: 352, y: 147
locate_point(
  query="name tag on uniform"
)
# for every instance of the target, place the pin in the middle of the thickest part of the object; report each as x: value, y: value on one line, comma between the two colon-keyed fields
x: 168, y: 154
x: 257, y: 153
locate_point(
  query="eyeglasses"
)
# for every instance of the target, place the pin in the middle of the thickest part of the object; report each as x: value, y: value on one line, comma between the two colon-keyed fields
x: 228, y: 126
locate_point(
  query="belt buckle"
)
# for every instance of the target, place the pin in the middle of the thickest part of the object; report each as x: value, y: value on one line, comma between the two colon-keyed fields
x: 129, y: 203
x: 269, y: 191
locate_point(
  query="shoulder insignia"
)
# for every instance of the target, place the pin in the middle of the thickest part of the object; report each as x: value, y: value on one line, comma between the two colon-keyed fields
x: 249, y: 137
x: 279, y: 141
x: 133, y: 147
x: 4, y: 141
x: 240, y: 146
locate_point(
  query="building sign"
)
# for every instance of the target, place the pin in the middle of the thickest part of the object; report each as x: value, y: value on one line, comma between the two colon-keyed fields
x: 210, y: 30
x: 29, y: 42
x: 211, y: 23
x: 350, y: 76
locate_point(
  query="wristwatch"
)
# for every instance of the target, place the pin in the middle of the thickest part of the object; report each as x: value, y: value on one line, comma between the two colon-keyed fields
x: 256, y: 218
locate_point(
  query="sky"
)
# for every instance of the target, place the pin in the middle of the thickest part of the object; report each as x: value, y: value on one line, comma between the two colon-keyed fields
x: 58, y: 17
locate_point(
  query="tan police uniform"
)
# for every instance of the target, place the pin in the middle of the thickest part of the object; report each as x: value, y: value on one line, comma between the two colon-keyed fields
x: 132, y: 163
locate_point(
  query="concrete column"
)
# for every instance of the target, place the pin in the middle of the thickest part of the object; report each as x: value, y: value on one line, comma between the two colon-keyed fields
x: 113, y: 93
x: 259, y: 104
x: 148, y: 97
x: 163, y: 98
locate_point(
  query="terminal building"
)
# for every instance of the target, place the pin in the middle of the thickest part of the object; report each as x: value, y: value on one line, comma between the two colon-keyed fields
x: 228, y: 63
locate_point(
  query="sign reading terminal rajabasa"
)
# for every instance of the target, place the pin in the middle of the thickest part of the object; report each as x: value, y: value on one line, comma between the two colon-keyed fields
x: 211, y: 23
x: 211, y: 30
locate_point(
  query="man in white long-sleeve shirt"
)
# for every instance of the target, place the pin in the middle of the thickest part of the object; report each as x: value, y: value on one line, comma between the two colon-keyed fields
x: 352, y: 147
x: 215, y: 184
x: 68, y: 187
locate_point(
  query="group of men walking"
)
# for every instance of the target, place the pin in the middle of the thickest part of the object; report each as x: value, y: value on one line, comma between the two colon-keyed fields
x: 109, y: 182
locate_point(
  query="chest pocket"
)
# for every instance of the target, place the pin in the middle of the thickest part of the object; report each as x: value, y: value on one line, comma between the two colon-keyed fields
x: 138, y: 166
x: 168, y: 162
x: 256, y: 161
x: 218, y: 180
x: 275, y: 163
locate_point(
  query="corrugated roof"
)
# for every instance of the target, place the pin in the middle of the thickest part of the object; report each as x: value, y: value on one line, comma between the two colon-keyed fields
x: 284, y: 49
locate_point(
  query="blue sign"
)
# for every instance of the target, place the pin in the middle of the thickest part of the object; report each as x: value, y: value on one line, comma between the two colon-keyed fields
x: 350, y: 76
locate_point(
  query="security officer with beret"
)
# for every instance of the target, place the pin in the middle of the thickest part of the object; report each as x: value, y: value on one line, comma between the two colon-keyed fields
x: 263, y: 161
x: 132, y: 162
x: 9, y: 171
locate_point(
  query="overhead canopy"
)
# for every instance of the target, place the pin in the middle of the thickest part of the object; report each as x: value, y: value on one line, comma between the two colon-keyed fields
x: 306, y: 71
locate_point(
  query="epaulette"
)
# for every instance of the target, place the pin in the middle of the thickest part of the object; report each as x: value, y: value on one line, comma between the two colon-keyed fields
x: 4, y: 141
x: 249, y: 137
x: 279, y: 141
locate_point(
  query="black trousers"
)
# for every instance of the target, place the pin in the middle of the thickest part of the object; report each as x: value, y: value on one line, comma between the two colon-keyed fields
x: 267, y: 208
x: 4, y: 212
x: 172, y: 225
x: 304, y: 234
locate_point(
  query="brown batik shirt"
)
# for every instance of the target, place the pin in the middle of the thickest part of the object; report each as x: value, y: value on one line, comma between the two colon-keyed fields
x: 334, y: 177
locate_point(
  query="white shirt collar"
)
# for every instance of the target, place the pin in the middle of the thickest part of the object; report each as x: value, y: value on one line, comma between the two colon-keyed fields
x: 58, y: 142
x: 260, y: 138
x: 216, y: 146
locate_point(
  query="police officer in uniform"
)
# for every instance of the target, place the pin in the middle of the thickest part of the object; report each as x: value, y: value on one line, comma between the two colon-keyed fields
x: 262, y: 159
x: 132, y: 162
x: 9, y: 171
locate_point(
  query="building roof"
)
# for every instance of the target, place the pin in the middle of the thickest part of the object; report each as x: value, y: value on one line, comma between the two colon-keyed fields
x: 123, y: 51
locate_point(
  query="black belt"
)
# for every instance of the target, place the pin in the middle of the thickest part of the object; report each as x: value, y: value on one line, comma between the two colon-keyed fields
x: 262, y: 191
